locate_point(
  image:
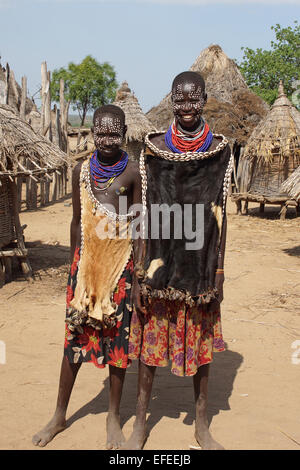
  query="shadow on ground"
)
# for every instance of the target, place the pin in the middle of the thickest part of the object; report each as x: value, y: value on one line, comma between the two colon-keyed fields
x: 44, y: 259
x: 66, y: 198
x: 171, y: 395
x: 295, y: 251
x: 270, y: 213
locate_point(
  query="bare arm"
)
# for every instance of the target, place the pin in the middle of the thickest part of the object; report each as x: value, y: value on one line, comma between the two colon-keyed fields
x: 75, y: 223
x: 138, y: 245
x: 137, y: 200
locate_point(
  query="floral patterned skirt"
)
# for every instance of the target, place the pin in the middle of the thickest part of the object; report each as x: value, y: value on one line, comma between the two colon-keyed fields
x: 105, y: 345
x: 186, y: 336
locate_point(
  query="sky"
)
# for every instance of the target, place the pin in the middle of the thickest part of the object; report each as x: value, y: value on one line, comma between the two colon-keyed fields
x: 148, y: 42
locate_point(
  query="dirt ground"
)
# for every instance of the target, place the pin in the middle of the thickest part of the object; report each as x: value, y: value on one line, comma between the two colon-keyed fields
x: 254, y: 385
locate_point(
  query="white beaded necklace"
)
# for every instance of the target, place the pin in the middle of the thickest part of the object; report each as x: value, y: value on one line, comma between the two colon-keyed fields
x: 188, y: 156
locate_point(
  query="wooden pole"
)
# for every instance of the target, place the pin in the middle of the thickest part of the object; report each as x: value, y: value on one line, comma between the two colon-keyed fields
x: 58, y: 133
x: 13, y: 85
x: 47, y: 192
x: 54, y: 186
x: 62, y: 112
x: 43, y: 95
x: 28, y: 196
x: 27, y: 271
x: 19, y: 187
x: 45, y: 127
x: 42, y: 192
x: 48, y: 110
x: 66, y: 116
x: 23, y: 98
x: 6, y: 93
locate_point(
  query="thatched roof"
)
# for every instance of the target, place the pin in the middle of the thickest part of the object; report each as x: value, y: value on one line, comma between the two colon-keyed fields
x: 273, y: 149
x: 278, y: 134
x: 221, y: 74
x: 232, y: 108
x: 138, y: 125
x: 23, y: 151
x: 291, y: 186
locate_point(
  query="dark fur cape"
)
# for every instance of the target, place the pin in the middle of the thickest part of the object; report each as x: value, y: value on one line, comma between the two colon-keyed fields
x: 171, y: 271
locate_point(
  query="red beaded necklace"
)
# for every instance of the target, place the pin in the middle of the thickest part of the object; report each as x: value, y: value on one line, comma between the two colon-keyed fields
x: 186, y: 144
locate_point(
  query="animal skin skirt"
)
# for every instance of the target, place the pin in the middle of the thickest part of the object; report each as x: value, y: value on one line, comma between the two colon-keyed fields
x: 105, y: 345
x: 186, y: 336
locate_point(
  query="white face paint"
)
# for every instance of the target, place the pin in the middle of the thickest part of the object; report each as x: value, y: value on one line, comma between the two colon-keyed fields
x: 187, y: 97
x: 108, y: 131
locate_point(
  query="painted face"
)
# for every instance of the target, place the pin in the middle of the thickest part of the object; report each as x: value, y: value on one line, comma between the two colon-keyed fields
x: 188, y: 100
x: 108, y: 134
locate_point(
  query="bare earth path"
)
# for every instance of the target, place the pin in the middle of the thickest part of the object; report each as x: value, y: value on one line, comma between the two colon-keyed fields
x: 254, y: 387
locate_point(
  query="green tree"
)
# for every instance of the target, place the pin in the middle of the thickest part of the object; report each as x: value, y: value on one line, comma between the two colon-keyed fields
x: 88, y: 85
x: 263, y: 69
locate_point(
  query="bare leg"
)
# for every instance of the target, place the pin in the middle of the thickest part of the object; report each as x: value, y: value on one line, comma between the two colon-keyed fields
x: 115, y: 437
x: 57, y: 424
x: 138, y: 436
x: 202, y: 433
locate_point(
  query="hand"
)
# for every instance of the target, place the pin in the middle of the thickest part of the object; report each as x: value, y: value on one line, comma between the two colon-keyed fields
x: 219, y: 281
x: 137, y: 301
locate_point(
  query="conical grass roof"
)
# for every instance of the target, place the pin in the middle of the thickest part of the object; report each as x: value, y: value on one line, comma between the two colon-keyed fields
x: 221, y: 74
x: 232, y: 108
x: 138, y: 125
x: 273, y: 149
x: 278, y: 134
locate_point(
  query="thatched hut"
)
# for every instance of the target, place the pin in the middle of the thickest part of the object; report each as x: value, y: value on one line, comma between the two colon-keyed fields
x: 23, y: 154
x: 270, y: 156
x: 232, y: 108
x: 138, y: 125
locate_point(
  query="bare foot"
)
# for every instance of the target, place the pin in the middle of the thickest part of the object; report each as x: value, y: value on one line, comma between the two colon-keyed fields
x: 46, y: 435
x: 204, y: 438
x: 137, y: 438
x: 115, y: 436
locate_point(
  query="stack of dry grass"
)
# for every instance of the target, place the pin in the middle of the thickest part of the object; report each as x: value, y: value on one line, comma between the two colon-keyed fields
x: 138, y: 125
x: 270, y: 156
x: 232, y: 108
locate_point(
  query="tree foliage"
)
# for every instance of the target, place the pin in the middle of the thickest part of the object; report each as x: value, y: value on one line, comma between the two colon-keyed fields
x: 88, y: 85
x: 263, y: 69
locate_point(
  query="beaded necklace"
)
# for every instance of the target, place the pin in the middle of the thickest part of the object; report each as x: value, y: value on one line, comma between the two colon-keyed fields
x: 180, y: 141
x: 106, y: 173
